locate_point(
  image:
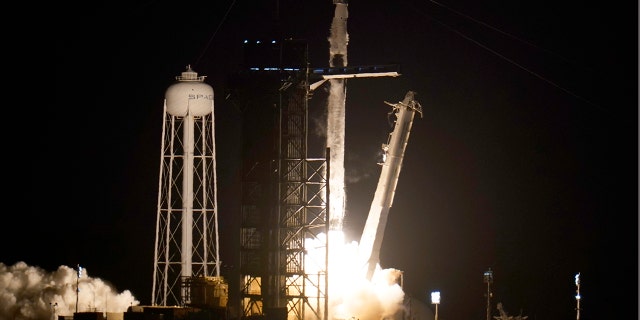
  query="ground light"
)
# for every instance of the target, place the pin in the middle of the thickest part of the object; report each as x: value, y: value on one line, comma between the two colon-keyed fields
x: 435, y: 299
x: 488, y: 279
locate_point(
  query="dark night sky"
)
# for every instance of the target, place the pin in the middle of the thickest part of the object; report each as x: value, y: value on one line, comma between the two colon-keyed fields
x: 526, y: 159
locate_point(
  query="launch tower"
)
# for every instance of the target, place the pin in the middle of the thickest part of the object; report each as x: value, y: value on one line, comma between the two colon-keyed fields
x: 284, y: 210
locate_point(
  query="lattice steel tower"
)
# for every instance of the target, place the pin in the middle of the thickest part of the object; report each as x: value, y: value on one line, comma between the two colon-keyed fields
x: 284, y: 192
x: 186, y: 244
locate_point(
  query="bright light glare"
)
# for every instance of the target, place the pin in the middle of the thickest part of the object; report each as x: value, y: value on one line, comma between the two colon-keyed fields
x: 435, y: 297
x: 350, y: 294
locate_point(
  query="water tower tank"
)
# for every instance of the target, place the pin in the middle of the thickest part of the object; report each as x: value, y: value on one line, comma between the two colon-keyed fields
x: 189, y: 94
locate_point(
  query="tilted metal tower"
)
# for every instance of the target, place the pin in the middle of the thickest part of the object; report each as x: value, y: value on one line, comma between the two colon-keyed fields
x: 186, y: 244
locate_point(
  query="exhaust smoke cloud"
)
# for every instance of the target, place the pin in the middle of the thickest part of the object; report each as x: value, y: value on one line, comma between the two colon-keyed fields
x: 30, y: 292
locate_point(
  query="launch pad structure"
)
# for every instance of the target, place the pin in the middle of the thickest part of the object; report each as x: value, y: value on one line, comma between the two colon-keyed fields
x: 285, y: 194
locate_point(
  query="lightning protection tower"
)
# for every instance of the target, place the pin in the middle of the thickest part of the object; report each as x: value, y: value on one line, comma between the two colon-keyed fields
x: 186, y: 244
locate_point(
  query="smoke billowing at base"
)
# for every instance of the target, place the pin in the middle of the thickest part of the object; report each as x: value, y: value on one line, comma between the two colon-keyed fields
x: 29, y: 292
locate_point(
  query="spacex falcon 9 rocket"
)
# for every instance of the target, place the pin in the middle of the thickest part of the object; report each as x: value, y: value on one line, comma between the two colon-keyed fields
x: 373, y: 233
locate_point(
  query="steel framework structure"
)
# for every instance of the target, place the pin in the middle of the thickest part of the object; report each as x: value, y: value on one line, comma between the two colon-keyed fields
x: 284, y: 205
x: 186, y: 242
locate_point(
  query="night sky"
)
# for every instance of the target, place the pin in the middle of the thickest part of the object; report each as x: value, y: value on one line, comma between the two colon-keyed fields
x: 525, y: 160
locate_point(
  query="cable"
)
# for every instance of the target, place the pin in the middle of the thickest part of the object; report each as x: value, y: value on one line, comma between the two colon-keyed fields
x: 504, y: 33
x: 502, y: 56
x: 224, y: 18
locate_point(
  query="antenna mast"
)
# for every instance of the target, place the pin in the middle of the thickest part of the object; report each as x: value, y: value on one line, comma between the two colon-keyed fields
x: 577, y: 280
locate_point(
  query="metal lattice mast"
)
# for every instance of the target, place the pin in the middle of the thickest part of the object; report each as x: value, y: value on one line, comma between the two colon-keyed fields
x: 284, y: 211
x: 303, y: 222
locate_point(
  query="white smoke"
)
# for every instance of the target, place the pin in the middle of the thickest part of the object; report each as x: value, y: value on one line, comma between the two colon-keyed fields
x: 29, y: 292
x: 380, y: 298
x: 351, y: 295
x: 338, y: 41
x: 335, y: 141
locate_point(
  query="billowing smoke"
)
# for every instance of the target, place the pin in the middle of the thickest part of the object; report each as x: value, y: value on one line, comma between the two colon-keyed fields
x: 29, y: 292
x: 352, y: 296
x: 375, y: 300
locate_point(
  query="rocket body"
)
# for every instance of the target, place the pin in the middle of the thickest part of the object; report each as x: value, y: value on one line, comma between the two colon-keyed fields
x: 373, y: 233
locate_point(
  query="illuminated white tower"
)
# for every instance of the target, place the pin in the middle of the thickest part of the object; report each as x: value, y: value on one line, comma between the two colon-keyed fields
x: 186, y: 242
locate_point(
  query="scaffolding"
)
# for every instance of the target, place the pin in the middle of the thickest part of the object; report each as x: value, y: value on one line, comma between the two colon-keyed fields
x: 284, y: 192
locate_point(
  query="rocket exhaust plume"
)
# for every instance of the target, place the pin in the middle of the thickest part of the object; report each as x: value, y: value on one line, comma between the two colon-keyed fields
x: 338, y: 41
x: 353, y: 293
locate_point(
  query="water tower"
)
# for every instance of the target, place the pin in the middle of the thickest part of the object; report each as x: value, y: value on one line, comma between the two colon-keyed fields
x: 186, y: 244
